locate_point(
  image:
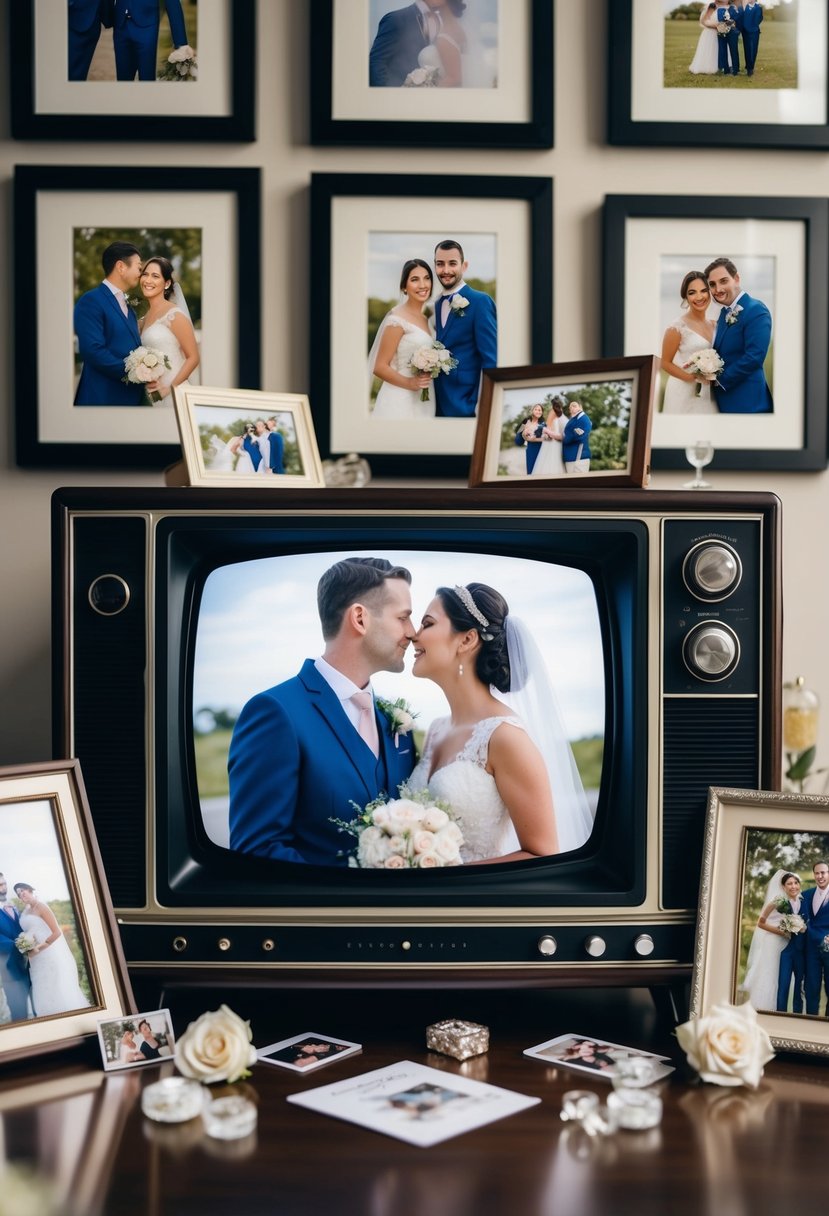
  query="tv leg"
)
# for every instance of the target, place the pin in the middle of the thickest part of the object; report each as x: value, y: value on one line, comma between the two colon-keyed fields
x: 671, y: 1001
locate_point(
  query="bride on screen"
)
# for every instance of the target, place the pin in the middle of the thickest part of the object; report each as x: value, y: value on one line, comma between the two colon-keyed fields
x: 52, y: 968
x: 511, y: 779
x: 166, y: 326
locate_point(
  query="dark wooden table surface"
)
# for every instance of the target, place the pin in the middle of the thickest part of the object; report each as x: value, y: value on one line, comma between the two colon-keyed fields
x: 729, y: 1152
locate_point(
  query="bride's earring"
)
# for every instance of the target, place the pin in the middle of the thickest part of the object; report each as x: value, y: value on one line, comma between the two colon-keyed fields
x: 460, y: 669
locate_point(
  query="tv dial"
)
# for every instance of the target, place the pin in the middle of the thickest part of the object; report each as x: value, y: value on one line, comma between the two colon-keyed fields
x: 547, y: 945
x: 595, y: 946
x: 711, y: 651
x: 712, y: 571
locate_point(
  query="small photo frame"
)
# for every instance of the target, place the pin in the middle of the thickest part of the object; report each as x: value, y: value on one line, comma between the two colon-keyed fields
x: 756, y: 843
x: 308, y: 1051
x: 141, y: 1038
x: 596, y: 1057
x: 61, y: 964
x: 245, y: 438
x: 579, y: 424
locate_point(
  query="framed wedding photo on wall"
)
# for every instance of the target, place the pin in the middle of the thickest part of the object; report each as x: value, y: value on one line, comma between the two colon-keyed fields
x: 114, y: 262
x: 479, y: 75
x: 762, y: 928
x: 577, y: 424
x: 718, y: 75
x: 735, y: 300
x: 184, y: 70
x: 63, y: 968
x: 424, y: 280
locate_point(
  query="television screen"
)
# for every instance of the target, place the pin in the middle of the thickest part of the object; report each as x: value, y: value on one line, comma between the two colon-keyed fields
x: 257, y: 622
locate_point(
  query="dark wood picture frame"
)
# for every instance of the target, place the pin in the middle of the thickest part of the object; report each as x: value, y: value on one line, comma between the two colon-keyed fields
x: 537, y: 132
x: 624, y: 130
x: 813, y: 215
x: 239, y: 125
x: 326, y: 189
x: 642, y: 370
x: 241, y: 185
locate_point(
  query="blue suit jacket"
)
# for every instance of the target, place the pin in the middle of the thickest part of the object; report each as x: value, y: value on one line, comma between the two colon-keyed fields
x: 531, y: 450
x: 296, y: 762
x: 752, y: 19
x: 277, y: 448
x: 252, y: 449
x: 574, y: 446
x: 84, y: 14
x: 9, y: 931
x: 105, y: 338
x: 145, y: 15
x: 743, y: 346
x: 472, y: 337
x: 397, y: 44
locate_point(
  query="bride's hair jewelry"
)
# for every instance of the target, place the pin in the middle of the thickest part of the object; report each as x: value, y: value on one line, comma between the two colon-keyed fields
x: 465, y: 597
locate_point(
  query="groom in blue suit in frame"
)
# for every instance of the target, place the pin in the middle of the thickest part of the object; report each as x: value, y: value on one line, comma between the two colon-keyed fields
x: 752, y: 19
x: 85, y: 18
x: 14, y: 969
x: 728, y: 45
x: 466, y: 323
x: 298, y: 757
x: 401, y: 36
x: 135, y: 35
x: 742, y: 340
x: 814, y: 908
x: 107, y: 331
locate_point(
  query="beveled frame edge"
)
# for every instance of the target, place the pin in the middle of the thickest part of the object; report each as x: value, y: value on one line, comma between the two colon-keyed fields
x: 720, y: 801
x: 328, y: 131
x: 623, y: 131
x: 814, y: 214
x: 537, y: 192
x: 244, y: 183
x: 187, y: 396
x: 638, y: 443
x: 116, y: 965
x: 237, y: 127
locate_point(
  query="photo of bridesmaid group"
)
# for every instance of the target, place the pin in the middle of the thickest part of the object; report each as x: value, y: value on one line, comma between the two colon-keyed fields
x: 742, y: 44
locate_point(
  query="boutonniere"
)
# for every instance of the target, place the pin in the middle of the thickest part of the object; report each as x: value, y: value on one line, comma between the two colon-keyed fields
x: 399, y: 715
x: 459, y: 304
x: 733, y: 314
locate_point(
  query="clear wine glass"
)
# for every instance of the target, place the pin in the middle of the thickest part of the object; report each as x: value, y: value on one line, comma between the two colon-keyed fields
x: 699, y: 454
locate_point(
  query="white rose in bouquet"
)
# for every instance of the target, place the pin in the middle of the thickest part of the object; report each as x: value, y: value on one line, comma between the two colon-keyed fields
x: 728, y: 1046
x: 216, y: 1047
x: 406, y: 832
x: 434, y: 819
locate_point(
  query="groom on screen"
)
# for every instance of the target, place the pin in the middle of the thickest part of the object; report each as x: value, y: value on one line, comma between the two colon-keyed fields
x: 466, y: 323
x: 107, y: 331
x: 304, y: 751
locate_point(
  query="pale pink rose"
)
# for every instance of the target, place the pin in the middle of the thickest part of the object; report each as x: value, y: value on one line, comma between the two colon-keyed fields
x: 426, y: 861
x: 395, y: 862
x: 423, y: 842
x: 435, y: 819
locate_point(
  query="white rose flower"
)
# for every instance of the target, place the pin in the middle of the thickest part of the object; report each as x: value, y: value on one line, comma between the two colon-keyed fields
x: 423, y: 841
x: 435, y: 819
x: 446, y: 846
x: 728, y: 1047
x: 426, y: 861
x: 373, y: 848
x: 405, y: 720
x: 395, y: 862
x: 216, y: 1047
x: 404, y: 815
x: 381, y: 817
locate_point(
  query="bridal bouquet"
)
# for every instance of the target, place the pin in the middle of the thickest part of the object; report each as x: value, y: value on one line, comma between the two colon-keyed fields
x: 725, y: 27
x: 25, y: 942
x: 181, y: 65
x: 422, y: 78
x: 432, y: 359
x: 791, y: 923
x: 706, y: 363
x: 414, y: 831
x: 144, y: 365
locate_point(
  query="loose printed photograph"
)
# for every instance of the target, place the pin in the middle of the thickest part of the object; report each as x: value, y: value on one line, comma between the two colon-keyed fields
x: 307, y: 1051
x: 411, y: 1102
x: 141, y: 1038
x: 596, y: 1056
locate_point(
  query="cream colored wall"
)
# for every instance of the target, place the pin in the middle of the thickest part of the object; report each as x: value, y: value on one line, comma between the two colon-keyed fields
x: 584, y: 170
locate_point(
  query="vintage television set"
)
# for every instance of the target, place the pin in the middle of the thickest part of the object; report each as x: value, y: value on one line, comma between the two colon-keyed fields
x: 660, y: 617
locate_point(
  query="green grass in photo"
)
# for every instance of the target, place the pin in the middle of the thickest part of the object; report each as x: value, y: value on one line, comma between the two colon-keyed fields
x: 776, y: 66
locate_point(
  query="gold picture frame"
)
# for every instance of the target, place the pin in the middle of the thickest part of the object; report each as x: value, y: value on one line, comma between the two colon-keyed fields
x: 218, y: 450
x: 749, y: 835
x: 46, y: 827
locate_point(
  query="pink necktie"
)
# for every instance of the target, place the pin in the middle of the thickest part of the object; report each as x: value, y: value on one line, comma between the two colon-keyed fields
x: 367, y: 726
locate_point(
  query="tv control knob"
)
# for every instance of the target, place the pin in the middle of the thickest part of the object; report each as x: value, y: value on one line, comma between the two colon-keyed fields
x: 711, y: 651
x: 595, y: 946
x: 712, y: 571
x: 643, y: 945
x: 547, y: 945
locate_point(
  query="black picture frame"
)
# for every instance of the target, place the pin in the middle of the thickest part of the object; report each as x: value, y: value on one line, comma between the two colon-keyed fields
x: 813, y: 215
x: 239, y: 125
x: 537, y: 132
x: 326, y: 189
x: 624, y: 130
x: 243, y: 188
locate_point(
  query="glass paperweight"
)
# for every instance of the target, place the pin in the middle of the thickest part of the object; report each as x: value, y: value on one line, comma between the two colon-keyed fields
x: 582, y: 1107
x: 173, y: 1100
x: 229, y: 1118
x: 635, y: 1109
x: 636, y: 1072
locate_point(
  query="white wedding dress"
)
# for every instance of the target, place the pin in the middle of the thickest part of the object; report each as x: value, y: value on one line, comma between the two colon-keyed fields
x: 159, y: 336
x: 706, y: 56
x: 53, y: 972
x: 470, y: 790
x: 402, y: 404
x: 550, y: 460
x: 763, y: 967
x: 681, y: 395
x: 244, y: 463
